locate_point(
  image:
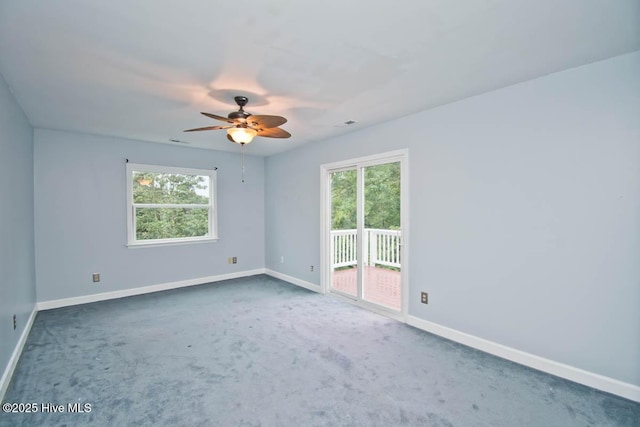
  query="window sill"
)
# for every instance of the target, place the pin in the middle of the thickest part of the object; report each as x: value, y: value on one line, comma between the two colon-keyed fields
x: 148, y: 244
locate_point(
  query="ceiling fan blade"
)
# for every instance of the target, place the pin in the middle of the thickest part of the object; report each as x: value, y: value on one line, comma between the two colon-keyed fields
x: 265, y: 122
x: 274, y: 133
x: 208, y: 128
x: 216, y: 117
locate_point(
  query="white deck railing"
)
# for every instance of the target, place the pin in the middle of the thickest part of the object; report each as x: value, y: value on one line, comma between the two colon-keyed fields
x: 382, y: 247
x: 344, y: 248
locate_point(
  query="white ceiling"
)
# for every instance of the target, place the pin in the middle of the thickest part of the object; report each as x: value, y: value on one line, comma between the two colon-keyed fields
x: 145, y: 69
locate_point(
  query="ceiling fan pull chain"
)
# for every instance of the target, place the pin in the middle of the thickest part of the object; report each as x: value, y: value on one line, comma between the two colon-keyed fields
x: 242, y: 162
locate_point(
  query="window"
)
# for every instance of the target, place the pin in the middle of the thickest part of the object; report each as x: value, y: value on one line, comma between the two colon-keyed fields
x: 170, y: 205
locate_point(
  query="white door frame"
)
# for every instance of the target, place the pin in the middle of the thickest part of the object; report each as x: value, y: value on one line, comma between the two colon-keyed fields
x: 401, y: 156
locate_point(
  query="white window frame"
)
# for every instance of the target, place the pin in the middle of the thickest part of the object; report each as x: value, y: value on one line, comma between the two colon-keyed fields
x: 212, y: 205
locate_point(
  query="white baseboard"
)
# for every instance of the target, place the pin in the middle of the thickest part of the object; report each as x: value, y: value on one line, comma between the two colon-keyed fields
x: 294, y: 280
x: 15, y: 356
x: 590, y: 379
x: 65, y: 302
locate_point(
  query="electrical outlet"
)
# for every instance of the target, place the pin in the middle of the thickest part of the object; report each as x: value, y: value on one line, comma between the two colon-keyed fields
x: 311, y: 268
x: 281, y: 260
x: 424, y: 298
x: 235, y: 260
x: 15, y: 322
x: 96, y: 277
x: 229, y: 260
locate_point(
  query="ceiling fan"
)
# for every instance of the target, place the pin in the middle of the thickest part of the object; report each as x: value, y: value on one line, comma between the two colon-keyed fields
x: 243, y: 127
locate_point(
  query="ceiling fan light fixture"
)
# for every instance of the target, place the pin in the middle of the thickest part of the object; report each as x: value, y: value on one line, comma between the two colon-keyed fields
x: 241, y: 135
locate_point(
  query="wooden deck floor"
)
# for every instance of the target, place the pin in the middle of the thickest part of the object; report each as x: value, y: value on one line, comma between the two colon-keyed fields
x: 381, y: 286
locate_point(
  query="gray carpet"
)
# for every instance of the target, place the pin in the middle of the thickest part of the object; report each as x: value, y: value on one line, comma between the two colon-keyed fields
x: 262, y: 352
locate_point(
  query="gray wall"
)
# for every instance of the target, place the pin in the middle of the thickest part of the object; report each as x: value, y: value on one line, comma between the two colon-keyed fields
x: 80, y: 216
x: 17, y: 271
x: 524, y: 213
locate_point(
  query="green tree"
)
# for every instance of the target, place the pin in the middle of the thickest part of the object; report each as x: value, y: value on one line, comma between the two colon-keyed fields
x: 170, y: 222
x: 381, y: 198
x: 343, y: 200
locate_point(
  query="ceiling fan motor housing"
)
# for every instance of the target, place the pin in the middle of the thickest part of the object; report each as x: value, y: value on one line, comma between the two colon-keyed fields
x: 238, y: 115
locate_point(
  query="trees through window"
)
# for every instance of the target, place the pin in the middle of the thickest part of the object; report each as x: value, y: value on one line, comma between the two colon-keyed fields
x: 170, y: 205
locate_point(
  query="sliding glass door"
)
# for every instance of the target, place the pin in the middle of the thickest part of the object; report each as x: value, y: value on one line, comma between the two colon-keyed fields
x: 344, y: 232
x: 364, y: 250
x: 382, y: 236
